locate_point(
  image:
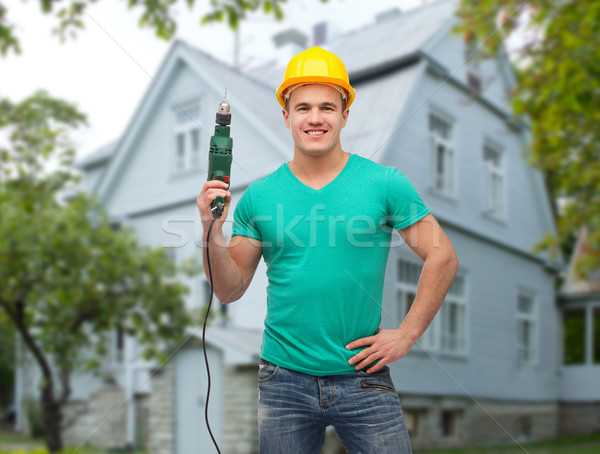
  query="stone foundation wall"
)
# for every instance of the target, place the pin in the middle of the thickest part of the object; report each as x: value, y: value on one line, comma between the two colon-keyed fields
x: 100, y: 421
x: 161, y: 413
x: 579, y: 418
x: 240, y: 390
x: 442, y: 422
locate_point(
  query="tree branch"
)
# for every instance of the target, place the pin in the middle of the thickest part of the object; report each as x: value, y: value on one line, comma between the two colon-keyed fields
x: 31, y: 343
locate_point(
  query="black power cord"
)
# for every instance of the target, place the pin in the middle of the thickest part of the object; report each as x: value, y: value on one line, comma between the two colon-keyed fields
x: 204, y: 337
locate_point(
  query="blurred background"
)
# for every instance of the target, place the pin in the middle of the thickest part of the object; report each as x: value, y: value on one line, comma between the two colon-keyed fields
x: 487, y: 107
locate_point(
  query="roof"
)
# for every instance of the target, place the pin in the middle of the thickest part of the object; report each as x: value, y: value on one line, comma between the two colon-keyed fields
x: 240, y: 346
x: 411, y: 31
x: 251, y: 93
x: 574, y: 285
x: 374, y: 115
x: 97, y: 156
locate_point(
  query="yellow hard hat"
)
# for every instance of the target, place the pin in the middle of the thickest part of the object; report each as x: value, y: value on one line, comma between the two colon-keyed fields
x: 315, y: 65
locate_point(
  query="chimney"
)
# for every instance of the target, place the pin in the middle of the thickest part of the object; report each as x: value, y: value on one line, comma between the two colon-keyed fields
x: 325, y: 34
x: 320, y: 34
x: 288, y: 43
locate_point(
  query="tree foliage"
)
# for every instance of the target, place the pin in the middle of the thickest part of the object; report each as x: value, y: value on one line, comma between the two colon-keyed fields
x: 558, y: 89
x: 70, y: 279
x: 158, y: 15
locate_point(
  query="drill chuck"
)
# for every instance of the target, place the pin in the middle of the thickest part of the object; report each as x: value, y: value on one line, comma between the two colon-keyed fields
x: 223, y: 115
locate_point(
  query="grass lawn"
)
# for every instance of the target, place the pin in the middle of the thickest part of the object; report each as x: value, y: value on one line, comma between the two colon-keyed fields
x: 10, y: 442
x: 582, y: 444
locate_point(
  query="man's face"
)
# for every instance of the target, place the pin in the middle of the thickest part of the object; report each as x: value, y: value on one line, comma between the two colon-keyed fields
x: 315, y: 119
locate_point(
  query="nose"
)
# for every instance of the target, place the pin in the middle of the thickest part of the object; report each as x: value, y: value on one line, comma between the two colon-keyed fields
x: 315, y: 116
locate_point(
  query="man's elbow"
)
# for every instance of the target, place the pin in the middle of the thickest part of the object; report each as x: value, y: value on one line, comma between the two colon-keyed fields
x: 227, y: 299
x: 227, y: 296
x: 452, y: 261
x: 446, y: 258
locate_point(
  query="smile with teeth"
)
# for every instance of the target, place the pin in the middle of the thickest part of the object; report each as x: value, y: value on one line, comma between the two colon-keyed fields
x: 315, y: 133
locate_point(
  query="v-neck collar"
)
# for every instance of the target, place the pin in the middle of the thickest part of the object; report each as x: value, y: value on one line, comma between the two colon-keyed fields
x: 332, y: 183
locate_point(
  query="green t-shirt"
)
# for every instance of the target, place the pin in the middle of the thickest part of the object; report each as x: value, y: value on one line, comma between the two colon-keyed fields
x: 326, y: 252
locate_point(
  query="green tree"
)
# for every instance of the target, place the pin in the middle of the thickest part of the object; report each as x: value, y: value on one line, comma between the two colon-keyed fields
x: 157, y: 15
x: 7, y: 363
x: 558, y: 89
x: 69, y: 278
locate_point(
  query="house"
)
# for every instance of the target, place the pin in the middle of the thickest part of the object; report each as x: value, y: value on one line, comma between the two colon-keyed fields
x: 488, y: 370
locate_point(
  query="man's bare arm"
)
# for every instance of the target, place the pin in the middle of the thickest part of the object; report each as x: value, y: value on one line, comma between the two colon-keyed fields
x: 232, y: 265
x: 428, y: 241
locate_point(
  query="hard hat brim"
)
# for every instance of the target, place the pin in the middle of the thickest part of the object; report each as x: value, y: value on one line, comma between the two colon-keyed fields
x: 314, y: 79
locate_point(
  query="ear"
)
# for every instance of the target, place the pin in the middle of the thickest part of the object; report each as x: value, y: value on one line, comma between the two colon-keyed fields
x: 286, y: 118
x: 345, y: 116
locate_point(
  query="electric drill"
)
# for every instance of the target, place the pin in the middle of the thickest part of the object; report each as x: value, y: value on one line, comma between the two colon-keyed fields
x: 219, y: 155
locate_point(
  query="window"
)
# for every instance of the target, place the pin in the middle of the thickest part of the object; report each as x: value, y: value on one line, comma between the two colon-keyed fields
x: 449, y: 422
x: 441, y: 154
x: 453, y: 318
x: 116, y: 345
x: 525, y: 429
x: 120, y: 344
x: 187, y: 137
x: 447, y: 332
x: 526, y: 329
x: 574, y: 336
x: 581, y: 335
x: 493, y: 181
x: 411, y: 420
x: 474, y: 82
x: 408, y: 280
x: 473, y: 67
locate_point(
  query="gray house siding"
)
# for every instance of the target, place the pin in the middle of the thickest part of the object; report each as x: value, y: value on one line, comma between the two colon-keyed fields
x: 493, y: 278
x: 525, y: 219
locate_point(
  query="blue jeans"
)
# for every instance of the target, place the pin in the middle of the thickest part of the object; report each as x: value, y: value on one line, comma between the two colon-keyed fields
x: 295, y: 408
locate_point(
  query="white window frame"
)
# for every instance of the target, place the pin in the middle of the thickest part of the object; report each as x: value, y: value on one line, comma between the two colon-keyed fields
x: 527, y: 352
x: 454, y: 343
x: 494, y: 182
x: 406, y: 288
x: 443, y: 182
x: 186, y: 126
x: 436, y: 337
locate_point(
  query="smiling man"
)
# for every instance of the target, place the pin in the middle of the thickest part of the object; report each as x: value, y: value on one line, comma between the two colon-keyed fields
x: 323, y: 223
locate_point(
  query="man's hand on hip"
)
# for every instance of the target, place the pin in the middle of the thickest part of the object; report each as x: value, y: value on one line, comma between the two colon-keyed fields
x: 387, y: 346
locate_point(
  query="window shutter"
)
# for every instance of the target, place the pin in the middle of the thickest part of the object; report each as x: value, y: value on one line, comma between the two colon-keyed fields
x: 449, y: 169
x: 432, y: 161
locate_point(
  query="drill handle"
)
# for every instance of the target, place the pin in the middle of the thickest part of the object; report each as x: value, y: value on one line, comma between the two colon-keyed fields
x: 218, y: 205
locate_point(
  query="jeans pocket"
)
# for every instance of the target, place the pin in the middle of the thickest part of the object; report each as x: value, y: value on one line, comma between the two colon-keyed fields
x: 366, y: 384
x: 266, y: 371
x: 380, y: 379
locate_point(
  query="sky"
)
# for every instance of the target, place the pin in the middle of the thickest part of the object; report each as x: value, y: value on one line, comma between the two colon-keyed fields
x: 108, y: 67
